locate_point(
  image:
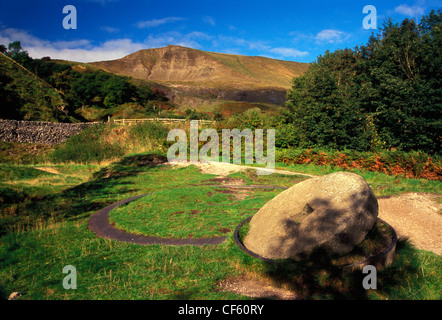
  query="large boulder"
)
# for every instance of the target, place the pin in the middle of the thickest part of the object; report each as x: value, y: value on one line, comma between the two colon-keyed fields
x: 330, y: 215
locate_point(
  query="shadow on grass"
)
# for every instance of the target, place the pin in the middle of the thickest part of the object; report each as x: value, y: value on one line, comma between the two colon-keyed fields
x: 320, y: 279
x: 104, y: 188
x: 317, y: 279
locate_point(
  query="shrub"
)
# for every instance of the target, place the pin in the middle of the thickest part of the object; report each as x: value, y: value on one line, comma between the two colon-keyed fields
x: 86, y: 147
x: 410, y: 164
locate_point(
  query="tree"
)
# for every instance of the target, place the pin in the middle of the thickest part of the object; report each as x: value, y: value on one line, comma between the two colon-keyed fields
x: 117, y: 90
x: 144, y: 94
x: 403, y: 69
x: 323, y: 103
x: 385, y: 93
x: 16, y: 52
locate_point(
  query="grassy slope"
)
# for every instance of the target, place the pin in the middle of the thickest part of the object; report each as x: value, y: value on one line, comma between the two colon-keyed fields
x: 57, y: 207
x: 35, y: 99
x: 230, y: 70
x: 266, y: 72
x: 43, y: 227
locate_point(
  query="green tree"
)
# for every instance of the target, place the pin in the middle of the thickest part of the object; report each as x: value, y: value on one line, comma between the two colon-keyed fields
x: 144, y: 94
x: 385, y: 93
x: 403, y: 69
x: 16, y: 52
x: 117, y: 90
x: 324, y: 106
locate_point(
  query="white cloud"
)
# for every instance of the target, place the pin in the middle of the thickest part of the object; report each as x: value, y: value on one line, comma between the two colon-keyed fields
x: 157, y: 22
x: 409, y: 11
x: 222, y: 41
x: 209, y: 20
x: 331, y: 36
x: 82, y: 50
x: 289, y: 52
x: 109, y: 29
x: 301, y: 36
x: 177, y: 38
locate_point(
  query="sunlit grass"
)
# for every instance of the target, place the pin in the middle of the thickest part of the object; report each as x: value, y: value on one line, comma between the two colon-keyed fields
x: 44, y: 228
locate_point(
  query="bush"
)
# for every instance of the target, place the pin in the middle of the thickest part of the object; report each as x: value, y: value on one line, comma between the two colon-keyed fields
x: 86, y: 147
x: 149, y: 130
x: 409, y: 164
x: 107, y: 142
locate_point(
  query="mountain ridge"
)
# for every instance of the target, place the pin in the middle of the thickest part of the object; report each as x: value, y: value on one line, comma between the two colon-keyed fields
x: 209, y: 75
x: 182, y: 64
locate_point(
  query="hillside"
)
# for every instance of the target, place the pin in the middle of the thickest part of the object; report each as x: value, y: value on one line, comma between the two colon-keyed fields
x: 187, y: 74
x: 23, y: 95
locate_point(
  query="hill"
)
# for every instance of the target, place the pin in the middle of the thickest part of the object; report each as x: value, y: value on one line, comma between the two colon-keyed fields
x: 24, y: 96
x: 190, y: 76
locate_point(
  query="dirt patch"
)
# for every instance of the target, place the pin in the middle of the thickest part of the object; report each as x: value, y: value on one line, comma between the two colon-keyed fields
x: 224, y: 230
x: 235, y: 194
x: 227, y: 181
x: 222, y: 169
x: 255, y: 287
x: 415, y: 216
x: 48, y: 169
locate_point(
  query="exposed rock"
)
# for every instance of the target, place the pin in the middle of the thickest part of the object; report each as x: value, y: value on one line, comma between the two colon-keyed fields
x: 329, y: 215
x: 14, y: 295
x: 50, y: 133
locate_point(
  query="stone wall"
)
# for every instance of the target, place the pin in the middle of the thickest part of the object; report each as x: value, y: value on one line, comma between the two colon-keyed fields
x: 39, y: 132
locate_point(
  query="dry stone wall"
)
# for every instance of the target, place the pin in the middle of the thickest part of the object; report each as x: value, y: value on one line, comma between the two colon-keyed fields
x: 39, y: 132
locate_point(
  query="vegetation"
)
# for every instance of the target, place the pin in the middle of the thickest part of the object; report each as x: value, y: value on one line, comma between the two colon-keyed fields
x: 385, y: 94
x: 23, y: 96
x: 42, y: 89
x: 372, y: 110
x: 110, y: 142
x: 44, y: 228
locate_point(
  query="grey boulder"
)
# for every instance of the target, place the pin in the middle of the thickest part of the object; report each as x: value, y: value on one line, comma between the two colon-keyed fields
x: 329, y: 215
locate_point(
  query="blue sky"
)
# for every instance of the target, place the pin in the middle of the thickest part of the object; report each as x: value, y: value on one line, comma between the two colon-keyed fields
x: 110, y: 29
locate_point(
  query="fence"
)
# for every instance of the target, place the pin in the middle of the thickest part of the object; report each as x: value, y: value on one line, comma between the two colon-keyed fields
x: 162, y: 120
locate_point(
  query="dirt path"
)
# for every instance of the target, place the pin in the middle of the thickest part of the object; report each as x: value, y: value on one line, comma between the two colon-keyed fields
x: 415, y: 216
x: 47, y: 169
x: 223, y: 169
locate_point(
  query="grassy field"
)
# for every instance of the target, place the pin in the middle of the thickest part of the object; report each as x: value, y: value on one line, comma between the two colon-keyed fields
x: 45, y: 209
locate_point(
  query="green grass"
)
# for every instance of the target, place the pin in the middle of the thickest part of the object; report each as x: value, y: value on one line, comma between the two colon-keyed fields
x: 189, y: 207
x: 32, y: 263
x: 44, y: 228
x: 27, y: 97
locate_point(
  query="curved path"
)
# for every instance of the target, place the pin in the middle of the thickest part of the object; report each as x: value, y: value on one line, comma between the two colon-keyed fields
x: 99, y: 223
